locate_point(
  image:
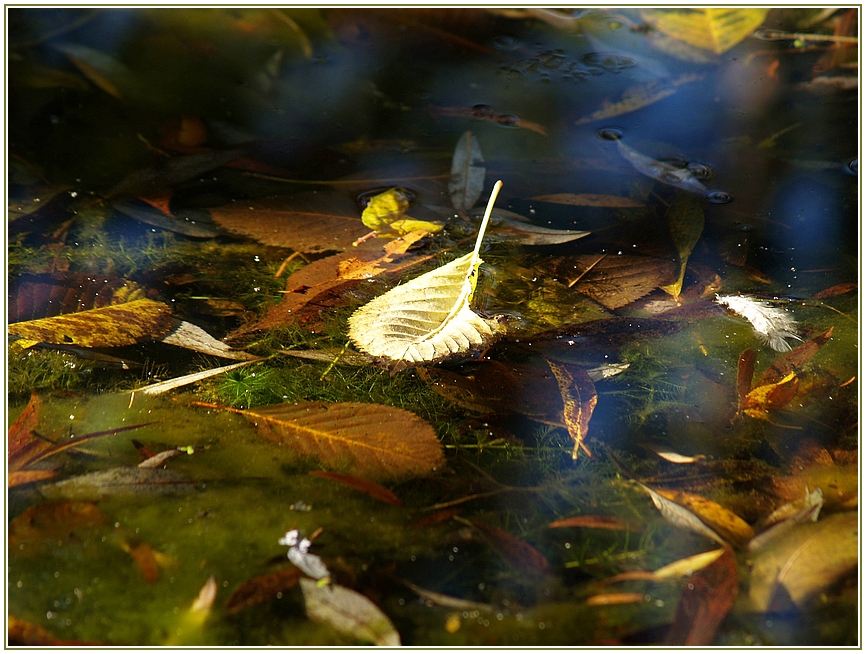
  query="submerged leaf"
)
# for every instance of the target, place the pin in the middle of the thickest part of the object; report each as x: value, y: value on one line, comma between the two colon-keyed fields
x: 348, y: 612
x: 372, y: 489
x: 427, y: 319
x: 613, y: 280
x: 796, y: 358
x: 467, y: 173
x: 589, y: 200
x: 811, y: 558
x: 264, y: 588
x: 122, y: 481
x: 686, y: 223
x: 306, y: 223
x: 191, y: 337
x: 579, y: 399
x: 705, y: 602
x: 369, y: 440
x: 702, y: 516
x: 713, y: 29
x: 112, y: 326
x: 638, y: 97
x: 517, y: 552
x: 761, y: 399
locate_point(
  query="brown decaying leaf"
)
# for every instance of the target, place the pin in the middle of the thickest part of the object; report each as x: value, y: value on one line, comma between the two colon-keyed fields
x: 614, y: 280
x: 638, y: 97
x: 589, y: 200
x: 435, y: 518
x: 305, y: 223
x: 372, y: 489
x: 311, y: 286
x: 264, y: 588
x: 745, y: 373
x: 731, y: 527
x: 41, y: 296
x: 23, y: 443
x: 517, y: 552
x: 833, y: 291
x: 48, y: 521
x: 111, y: 326
x: 192, y: 337
x: 119, y: 482
x: 579, y: 399
x: 23, y: 633
x: 374, y: 441
x: 145, y: 560
x: 705, y: 602
x: 348, y: 612
x: 790, y: 361
x: 595, y: 522
x: 487, y: 114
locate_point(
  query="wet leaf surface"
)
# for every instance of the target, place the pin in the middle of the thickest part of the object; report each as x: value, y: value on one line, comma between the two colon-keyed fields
x: 467, y: 173
x: 265, y: 588
x: 372, y: 489
x: 716, y: 30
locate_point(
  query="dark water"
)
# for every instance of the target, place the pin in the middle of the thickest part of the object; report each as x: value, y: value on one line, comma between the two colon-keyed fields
x: 765, y: 135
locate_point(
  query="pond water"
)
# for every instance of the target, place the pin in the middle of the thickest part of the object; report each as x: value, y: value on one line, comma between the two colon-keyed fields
x: 679, y: 210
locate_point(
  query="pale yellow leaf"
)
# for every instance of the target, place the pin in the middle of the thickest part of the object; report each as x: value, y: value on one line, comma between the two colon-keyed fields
x: 715, y: 29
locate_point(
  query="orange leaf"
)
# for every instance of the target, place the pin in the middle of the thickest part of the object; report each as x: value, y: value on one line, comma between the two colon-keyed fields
x: 770, y: 396
x: 790, y: 361
x: 579, y: 399
x: 606, y: 599
x: 24, y: 444
x: 517, y: 552
x: 594, y: 522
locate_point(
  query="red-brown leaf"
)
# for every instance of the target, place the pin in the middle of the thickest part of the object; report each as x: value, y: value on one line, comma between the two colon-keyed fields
x: 262, y: 589
x: 706, y: 600
x: 517, y: 552
x: 372, y: 489
x: 790, y: 361
x: 595, y: 522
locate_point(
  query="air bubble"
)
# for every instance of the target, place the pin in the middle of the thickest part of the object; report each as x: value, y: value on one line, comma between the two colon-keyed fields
x: 482, y: 111
x: 719, y: 197
x: 609, y: 134
x: 700, y: 171
x: 852, y: 166
x: 508, y: 120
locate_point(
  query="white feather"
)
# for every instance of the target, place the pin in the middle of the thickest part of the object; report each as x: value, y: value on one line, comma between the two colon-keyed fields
x: 771, y: 324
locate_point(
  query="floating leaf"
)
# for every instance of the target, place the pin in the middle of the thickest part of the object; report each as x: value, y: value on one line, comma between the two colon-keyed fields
x: 427, y: 319
x: 348, y: 612
x: 264, y: 588
x: 372, y: 489
x: 686, y: 223
x: 111, y: 326
x: 713, y: 29
x: 385, y: 215
x: 579, y: 399
x: 638, y: 97
x: 701, y: 516
x: 467, y: 173
x: 370, y: 440
x: 527, y: 233
x: 811, y: 558
x: 665, y: 173
x: 705, y: 601
x: 589, y: 200
x: 613, y: 280
x: 305, y: 222
x: 486, y: 113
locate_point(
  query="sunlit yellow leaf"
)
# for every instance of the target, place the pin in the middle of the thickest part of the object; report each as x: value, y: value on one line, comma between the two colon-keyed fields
x: 713, y: 29
x: 579, y: 399
x: 112, y: 326
x: 770, y: 396
x: 385, y: 216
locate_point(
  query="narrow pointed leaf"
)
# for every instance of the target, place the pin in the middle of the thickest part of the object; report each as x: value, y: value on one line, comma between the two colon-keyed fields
x: 427, y: 319
x: 264, y: 588
x: 686, y: 223
x: 665, y: 173
x: 467, y: 173
x: 372, y: 489
x: 579, y: 399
